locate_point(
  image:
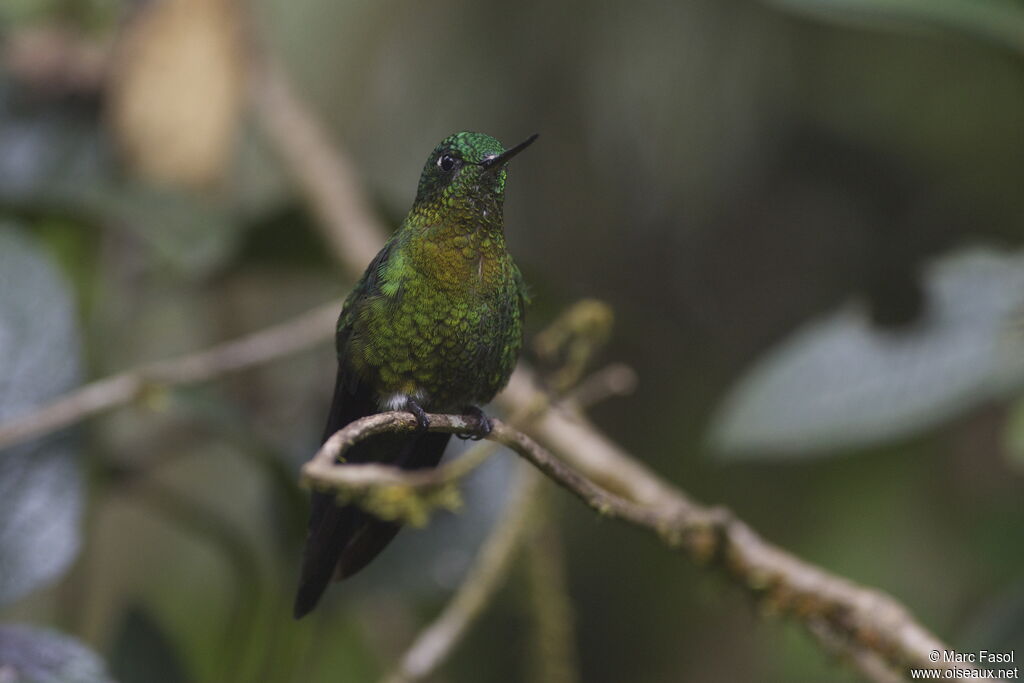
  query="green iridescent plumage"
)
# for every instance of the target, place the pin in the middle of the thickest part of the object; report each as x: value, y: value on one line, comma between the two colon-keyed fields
x: 438, y: 316
x: 434, y: 323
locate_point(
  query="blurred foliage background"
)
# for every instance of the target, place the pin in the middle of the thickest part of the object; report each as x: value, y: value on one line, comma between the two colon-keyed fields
x: 806, y: 215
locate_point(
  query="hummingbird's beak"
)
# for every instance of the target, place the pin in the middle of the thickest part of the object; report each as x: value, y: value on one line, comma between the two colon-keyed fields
x: 496, y: 162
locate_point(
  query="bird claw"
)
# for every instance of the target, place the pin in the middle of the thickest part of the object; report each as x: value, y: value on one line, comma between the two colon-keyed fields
x: 483, y: 425
x: 422, y: 421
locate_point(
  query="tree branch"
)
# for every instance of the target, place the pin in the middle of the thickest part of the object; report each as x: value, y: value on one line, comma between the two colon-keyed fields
x: 553, y: 642
x: 321, y: 172
x: 274, y: 342
x: 845, y: 617
x: 394, y: 493
x: 871, y: 629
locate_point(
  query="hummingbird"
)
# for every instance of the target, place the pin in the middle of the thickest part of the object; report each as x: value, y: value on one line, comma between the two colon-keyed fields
x: 433, y: 325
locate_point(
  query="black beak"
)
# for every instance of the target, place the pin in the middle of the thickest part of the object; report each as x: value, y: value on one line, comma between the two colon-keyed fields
x: 496, y: 162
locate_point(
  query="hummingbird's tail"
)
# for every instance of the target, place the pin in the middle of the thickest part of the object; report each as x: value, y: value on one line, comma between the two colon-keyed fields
x: 343, y: 539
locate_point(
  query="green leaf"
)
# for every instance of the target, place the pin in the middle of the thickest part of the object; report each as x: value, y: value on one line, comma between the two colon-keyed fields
x: 839, y: 383
x: 37, y: 655
x: 40, y: 483
x: 1000, y: 22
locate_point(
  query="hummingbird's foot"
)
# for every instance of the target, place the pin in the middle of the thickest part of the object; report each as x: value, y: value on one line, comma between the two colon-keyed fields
x: 483, y: 425
x: 422, y: 421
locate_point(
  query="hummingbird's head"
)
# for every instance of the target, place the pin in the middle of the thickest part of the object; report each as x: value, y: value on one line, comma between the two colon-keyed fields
x: 466, y: 167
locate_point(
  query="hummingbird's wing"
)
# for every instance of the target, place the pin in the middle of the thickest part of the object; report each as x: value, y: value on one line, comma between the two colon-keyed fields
x: 522, y: 290
x: 342, y: 539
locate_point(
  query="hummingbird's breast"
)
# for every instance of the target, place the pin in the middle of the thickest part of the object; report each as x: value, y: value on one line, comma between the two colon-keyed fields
x: 450, y: 334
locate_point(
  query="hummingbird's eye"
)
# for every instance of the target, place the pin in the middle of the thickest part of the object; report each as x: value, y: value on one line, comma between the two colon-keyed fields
x: 446, y: 163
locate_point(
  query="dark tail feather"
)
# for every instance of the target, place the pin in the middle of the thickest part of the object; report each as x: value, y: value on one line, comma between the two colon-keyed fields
x: 323, y: 547
x: 343, y: 538
x: 371, y: 535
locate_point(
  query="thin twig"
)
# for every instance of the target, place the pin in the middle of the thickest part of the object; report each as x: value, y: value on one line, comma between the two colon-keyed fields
x: 617, y: 379
x: 433, y: 645
x: 281, y: 340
